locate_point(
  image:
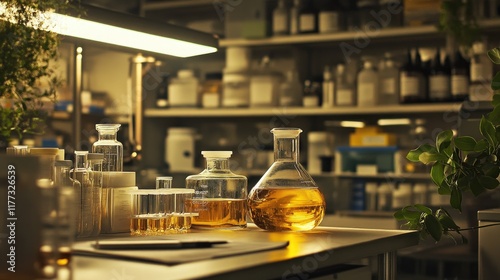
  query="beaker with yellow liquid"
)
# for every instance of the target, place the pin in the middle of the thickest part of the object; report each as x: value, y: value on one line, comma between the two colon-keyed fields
x: 286, y: 198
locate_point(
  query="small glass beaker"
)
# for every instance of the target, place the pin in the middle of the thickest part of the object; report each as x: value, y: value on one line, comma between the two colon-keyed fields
x: 145, y: 219
x: 286, y: 198
x: 219, y: 194
x: 164, y: 182
x: 108, y: 145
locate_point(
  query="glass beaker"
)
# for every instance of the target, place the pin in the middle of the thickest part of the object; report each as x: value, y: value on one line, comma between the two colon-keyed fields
x: 286, y: 198
x: 83, y: 194
x: 219, y: 194
x: 109, y: 146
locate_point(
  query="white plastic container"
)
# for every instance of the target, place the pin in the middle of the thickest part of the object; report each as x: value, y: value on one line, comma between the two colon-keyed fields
x: 179, y: 148
x: 384, y: 193
x: 368, y: 85
x: 183, y: 90
x: 420, y: 194
x: 371, y: 196
x: 116, y: 201
x: 402, y: 196
x: 319, y: 143
x: 235, y: 88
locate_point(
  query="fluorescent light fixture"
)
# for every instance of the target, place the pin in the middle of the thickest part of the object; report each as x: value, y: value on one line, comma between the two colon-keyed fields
x: 386, y: 122
x: 129, y: 31
x: 352, y: 124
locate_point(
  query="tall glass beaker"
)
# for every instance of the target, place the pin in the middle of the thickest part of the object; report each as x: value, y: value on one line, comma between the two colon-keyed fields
x: 108, y: 145
x: 286, y: 198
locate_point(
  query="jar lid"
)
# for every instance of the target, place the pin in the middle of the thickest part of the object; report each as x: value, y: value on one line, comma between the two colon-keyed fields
x: 107, y: 126
x: 216, y: 154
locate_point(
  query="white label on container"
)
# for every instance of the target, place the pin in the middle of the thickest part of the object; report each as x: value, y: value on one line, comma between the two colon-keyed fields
x: 306, y: 22
x: 376, y: 140
x: 409, y: 85
x: 477, y: 72
x: 328, y: 22
x: 459, y: 84
x: 389, y: 86
x: 280, y: 23
x: 439, y: 86
x: 366, y: 94
x: 345, y: 97
x: 261, y: 93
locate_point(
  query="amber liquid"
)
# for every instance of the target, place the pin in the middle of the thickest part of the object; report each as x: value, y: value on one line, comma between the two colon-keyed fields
x: 218, y: 212
x: 286, y: 209
x: 172, y: 223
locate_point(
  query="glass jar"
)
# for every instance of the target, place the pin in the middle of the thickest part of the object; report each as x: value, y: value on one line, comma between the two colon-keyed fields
x: 220, y: 195
x: 286, y: 198
x: 108, y: 145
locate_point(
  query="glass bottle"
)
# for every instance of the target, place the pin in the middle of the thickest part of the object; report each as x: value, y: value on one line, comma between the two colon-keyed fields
x: 280, y: 19
x: 308, y: 21
x: 389, y: 82
x: 410, y: 81
x: 459, y: 78
x: 291, y: 90
x: 286, y: 198
x: 94, y: 161
x: 328, y: 88
x: 220, y: 195
x: 344, y: 90
x: 439, y: 80
x: 80, y: 173
x: 109, y: 146
x: 294, y: 17
x: 481, y: 74
x: 367, y: 85
x: 329, y: 17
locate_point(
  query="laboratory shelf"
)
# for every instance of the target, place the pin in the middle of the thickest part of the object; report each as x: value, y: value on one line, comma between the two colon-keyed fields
x: 397, y: 33
x: 303, y: 111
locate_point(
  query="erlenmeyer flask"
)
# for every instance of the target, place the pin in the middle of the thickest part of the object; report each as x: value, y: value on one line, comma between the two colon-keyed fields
x: 286, y: 198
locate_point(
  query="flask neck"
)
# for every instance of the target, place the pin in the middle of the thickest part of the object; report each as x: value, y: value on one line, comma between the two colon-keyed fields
x: 286, y: 149
x: 81, y: 161
x: 217, y: 164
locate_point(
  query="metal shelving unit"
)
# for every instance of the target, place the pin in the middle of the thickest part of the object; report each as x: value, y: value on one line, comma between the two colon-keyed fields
x: 303, y: 111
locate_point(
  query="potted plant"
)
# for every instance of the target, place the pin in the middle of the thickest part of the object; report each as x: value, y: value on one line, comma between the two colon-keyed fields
x: 460, y: 164
x: 27, y: 73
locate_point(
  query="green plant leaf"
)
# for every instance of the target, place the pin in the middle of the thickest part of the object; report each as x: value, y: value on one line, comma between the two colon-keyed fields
x: 433, y: 227
x: 456, y: 199
x: 494, y: 115
x: 494, y: 55
x: 488, y: 131
x: 491, y: 170
x: 437, y: 173
x: 443, y: 139
x: 447, y: 222
x: 415, y: 153
x: 423, y: 208
x: 496, y: 100
x: 399, y: 215
x: 411, y: 215
x: 488, y: 182
x: 463, y: 183
x: 465, y: 143
x: 475, y: 187
x: 495, y: 82
x: 481, y: 145
x: 428, y: 157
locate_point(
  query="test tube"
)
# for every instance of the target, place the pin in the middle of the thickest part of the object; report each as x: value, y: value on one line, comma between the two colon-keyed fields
x: 164, y: 182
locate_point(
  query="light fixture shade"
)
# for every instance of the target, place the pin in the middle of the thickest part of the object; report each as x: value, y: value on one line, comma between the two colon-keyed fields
x: 133, y: 32
x: 125, y: 31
